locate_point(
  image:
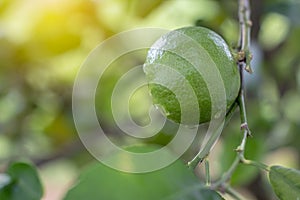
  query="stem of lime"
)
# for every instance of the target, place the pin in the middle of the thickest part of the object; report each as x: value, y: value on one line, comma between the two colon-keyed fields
x: 256, y: 164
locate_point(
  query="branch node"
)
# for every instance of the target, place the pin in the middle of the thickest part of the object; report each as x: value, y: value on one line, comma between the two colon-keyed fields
x: 241, y: 56
x: 244, y: 126
x: 239, y: 149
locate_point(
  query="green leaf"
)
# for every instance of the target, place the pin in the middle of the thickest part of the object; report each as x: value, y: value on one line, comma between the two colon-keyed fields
x: 171, y: 183
x: 24, y: 185
x: 285, y: 182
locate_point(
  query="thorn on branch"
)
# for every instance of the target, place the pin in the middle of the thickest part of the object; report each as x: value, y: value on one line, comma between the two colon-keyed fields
x: 245, y: 57
x: 248, y: 69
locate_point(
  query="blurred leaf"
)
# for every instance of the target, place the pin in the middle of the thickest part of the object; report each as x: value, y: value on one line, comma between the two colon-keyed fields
x: 287, y: 8
x: 25, y: 183
x: 274, y: 30
x: 229, y: 30
x: 60, y: 130
x: 291, y: 106
x: 173, y: 182
x: 143, y: 8
x: 139, y: 101
x: 11, y: 105
x: 269, y: 100
x: 178, y: 13
x: 61, y: 27
x: 4, y: 4
x: 53, y: 34
x: 285, y: 182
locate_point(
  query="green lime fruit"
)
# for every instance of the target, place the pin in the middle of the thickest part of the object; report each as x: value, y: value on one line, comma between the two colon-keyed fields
x: 191, y: 52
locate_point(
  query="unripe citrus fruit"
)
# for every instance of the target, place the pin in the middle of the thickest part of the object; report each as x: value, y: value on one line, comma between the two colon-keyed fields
x: 181, y: 50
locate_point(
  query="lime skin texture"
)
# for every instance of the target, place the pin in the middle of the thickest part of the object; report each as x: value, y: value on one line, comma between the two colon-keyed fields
x: 168, y: 51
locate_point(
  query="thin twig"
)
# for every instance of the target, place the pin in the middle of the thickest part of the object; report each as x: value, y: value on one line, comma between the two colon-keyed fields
x: 245, y: 31
x: 244, y: 58
x: 245, y: 28
x: 204, y: 153
x: 226, y: 176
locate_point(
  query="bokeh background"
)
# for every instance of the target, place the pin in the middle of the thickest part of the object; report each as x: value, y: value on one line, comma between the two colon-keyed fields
x: 43, y: 44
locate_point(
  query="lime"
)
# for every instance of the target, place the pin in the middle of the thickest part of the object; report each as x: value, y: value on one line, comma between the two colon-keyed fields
x: 191, y: 52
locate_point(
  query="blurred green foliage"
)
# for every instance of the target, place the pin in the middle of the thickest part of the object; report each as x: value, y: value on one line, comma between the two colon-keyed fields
x: 43, y: 43
x: 23, y: 183
x: 172, y: 182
